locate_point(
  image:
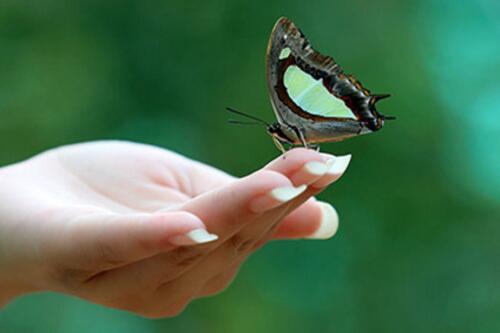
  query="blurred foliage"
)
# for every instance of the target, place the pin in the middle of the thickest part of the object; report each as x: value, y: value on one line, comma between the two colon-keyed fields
x: 418, y: 246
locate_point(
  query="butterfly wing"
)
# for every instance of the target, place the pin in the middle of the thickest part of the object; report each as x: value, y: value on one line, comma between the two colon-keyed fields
x: 309, y: 91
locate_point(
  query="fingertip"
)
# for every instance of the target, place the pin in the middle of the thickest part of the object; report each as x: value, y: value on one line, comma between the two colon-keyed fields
x: 329, y: 222
x: 268, y: 189
x: 336, y: 168
x: 312, y: 220
x: 193, y: 237
x: 295, y: 158
x: 167, y: 230
x: 174, y: 228
x: 276, y: 197
x: 302, y: 166
x: 301, y: 222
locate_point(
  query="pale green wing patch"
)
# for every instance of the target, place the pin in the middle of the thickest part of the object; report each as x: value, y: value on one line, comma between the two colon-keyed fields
x: 284, y: 53
x: 312, y: 96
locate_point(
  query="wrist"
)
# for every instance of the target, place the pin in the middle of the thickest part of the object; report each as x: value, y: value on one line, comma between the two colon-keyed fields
x: 16, y: 272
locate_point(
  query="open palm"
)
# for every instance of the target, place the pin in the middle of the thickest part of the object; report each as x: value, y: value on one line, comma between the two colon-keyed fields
x: 112, y: 222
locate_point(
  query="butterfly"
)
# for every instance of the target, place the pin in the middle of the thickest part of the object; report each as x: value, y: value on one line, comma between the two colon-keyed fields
x: 313, y: 99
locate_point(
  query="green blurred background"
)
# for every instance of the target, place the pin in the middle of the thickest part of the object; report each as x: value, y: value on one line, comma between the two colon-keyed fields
x: 419, y: 245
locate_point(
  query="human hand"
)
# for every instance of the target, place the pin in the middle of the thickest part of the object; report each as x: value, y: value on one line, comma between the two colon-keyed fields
x: 125, y: 225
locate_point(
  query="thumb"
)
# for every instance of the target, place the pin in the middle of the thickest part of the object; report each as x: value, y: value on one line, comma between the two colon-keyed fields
x: 107, y: 240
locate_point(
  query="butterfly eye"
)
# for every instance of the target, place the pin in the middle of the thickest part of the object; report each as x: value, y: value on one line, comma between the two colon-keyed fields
x: 374, y: 124
x: 276, y: 132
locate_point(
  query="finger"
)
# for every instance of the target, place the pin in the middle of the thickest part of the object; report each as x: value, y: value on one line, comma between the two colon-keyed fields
x: 314, y: 222
x: 228, y: 209
x: 302, y: 166
x: 313, y: 219
x: 335, y: 171
x: 106, y: 240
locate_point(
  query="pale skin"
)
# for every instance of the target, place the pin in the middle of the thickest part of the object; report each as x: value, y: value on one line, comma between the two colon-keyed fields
x: 112, y: 222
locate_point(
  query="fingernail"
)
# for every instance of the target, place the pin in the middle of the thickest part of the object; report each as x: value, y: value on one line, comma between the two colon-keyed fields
x: 276, y: 197
x: 329, y: 222
x: 336, y: 167
x: 339, y: 164
x: 196, y: 236
x: 315, y: 168
x: 287, y: 193
x: 310, y: 172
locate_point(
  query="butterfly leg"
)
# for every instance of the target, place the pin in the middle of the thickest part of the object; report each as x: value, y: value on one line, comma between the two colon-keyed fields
x: 300, y: 135
x: 279, y: 145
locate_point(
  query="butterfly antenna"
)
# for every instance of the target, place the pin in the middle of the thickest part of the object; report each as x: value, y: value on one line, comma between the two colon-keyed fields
x: 247, y: 116
x: 239, y: 122
x: 389, y: 118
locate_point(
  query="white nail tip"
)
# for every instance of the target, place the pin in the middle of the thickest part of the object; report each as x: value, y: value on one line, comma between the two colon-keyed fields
x: 339, y: 165
x: 287, y: 193
x: 316, y: 168
x: 329, y: 222
x: 201, y: 236
x: 196, y: 236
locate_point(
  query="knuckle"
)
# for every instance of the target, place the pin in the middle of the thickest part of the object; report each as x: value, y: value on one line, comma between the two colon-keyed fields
x: 235, y: 241
x: 239, y: 243
x: 185, y: 256
x: 245, y: 246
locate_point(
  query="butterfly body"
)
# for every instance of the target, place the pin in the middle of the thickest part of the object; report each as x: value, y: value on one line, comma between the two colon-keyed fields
x: 313, y: 99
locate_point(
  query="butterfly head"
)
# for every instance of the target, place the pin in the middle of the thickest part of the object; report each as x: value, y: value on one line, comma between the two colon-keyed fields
x: 277, y: 132
x: 376, y: 122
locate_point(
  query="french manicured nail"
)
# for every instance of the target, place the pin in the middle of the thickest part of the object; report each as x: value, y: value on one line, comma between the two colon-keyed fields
x: 310, y: 172
x: 315, y: 168
x: 276, y: 197
x: 340, y: 164
x: 329, y: 222
x: 196, y: 236
x: 336, y: 168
